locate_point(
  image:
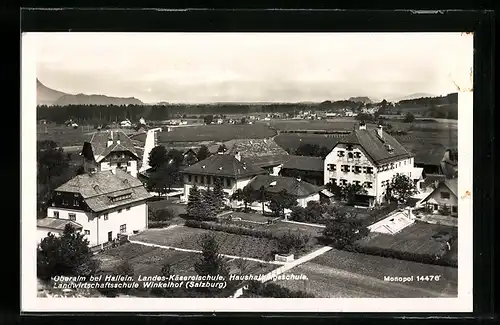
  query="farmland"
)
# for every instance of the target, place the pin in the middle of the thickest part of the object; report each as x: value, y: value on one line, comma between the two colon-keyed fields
x: 189, y: 238
x: 419, y: 238
x: 340, y: 274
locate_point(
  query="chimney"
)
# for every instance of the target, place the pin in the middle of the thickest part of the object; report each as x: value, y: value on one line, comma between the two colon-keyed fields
x: 237, y: 156
x: 380, y: 132
x: 110, y: 139
x: 362, y: 126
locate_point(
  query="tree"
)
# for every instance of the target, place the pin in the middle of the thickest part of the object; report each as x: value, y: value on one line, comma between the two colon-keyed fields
x: 261, y: 196
x: 278, y: 202
x: 190, y: 159
x: 211, y: 262
x: 401, y: 188
x: 195, y: 204
x: 308, y: 149
x: 350, y: 191
x: 343, y: 231
x: 218, y: 195
x: 409, y: 118
x: 68, y: 254
x: 51, y: 162
x: 334, y: 189
x: 222, y: 148
x: 208, y: 119
x: 292, y: 242
x: 298, y: 214
x: 203, y: 153
x: 175, y: 158
x: 158, y: 156
x: 208, y: 205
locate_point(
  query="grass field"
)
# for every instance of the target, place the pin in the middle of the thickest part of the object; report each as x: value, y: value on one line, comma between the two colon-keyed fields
x: 344, y: 124
x: 340, y: 274
x: 419, y: 238
x: 148, y: 261
x: 64, y: 136
x: 189, y: 238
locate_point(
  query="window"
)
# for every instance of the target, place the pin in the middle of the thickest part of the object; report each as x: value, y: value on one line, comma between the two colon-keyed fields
x: 106, y: 217
x: 128, y: 209
x: 129, y: 163
x: 333, y: 181
x: 369, y: 170
x: 368, y: 184
x: 119, y: 211
x: 196, y: 179
x: 64, y: 202
x: 445, y: 195
x: 228, y: 182
x: 345, y: 168
x: 343, y: 182
x: 350, y: 155
x: 357, y: 155
x: 356, y: 182
x: 405, y: 163
x: 392, y: 166
x: 123, y: 229
x: 189, y: 178
x: 331, y: 167
x: 357, y: 169
x: 454, y: 209
x: 76, y: 203
x: 56, y: 214
x: 87, y: 232
x: 340, y: 153
x: 72, y: 216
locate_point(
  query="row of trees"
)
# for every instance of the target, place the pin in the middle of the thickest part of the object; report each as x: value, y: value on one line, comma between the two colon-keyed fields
x: 206, y: 204
x: 311, y: 150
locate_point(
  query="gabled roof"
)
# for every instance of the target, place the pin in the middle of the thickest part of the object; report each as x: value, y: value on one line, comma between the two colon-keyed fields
x: 57, y: 224
x: 426, y: 153
x: 376, y: 147
x: 315, y: 164
x: 451, y: 184
x: 290, y: 184
x: 100, y: 148
x: 224, y: 165
x: 97, y: 189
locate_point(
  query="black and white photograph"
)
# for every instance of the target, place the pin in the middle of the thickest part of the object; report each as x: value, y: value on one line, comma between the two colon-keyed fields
x: 242, y: 166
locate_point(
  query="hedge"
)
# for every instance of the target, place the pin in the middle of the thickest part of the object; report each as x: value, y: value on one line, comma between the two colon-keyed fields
x: 403, y: 255
x: 229, y: 229
x: 271, y: 290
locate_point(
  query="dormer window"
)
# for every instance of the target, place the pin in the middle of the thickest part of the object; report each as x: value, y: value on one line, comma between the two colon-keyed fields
x: 349, y: 147
x: 273, y: 183
x: 357, y: 155
x: 340, y: 153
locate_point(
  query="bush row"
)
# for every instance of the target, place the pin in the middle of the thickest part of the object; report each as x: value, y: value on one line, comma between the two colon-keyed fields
x: 238, y: 230
x: 402, y: 255
x: 158, y: 224
x: 271, y: 290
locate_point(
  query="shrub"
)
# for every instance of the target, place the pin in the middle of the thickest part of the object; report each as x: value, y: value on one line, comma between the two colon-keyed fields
x: 292, y: 242
x: 229, y: 229
x: 271, y: 290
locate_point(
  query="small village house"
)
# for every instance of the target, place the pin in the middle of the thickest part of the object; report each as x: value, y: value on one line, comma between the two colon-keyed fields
x: 54, y: 226
x: 369, y: 158
x: 443, y: 199
x: 110, y: 151
x: 102, y: 204
x: 232, y: 170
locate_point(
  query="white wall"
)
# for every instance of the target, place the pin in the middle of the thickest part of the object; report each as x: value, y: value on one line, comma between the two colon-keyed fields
x: 112, y: 166
x: 303, y: 201
x: 41, y: 233
x: 135, y: 219
x: 238, y: 184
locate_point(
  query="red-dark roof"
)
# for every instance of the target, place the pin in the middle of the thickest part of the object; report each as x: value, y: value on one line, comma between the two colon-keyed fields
x: 224, y: 165
x: 315, y: 164
x: 100, y: 148
x: 97, y: 189
x: 290, y: 184
x: 57, y: 224
x: 377, y: 147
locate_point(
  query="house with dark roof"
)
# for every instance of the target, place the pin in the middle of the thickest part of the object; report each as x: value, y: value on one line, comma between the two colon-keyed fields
x: 443, y: 199
x: 263, y: 153
x: 369, y: 158
x: 303, y: 191
x: 54, y: 226
x: 427, y: 156
x: 234, y: 172
x: 110, y: 150
x: 309, y: 169
x: 104, y: 204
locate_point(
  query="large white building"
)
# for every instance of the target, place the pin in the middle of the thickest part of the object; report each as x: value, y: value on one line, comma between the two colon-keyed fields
x: 232, y: 170
x: 110, y: 150
x: 102, y: 204
x: 369, y: 158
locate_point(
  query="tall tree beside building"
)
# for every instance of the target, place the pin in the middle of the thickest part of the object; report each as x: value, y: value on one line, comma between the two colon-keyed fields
x: 208, y: 205
x: 158, y: 156
x: 278, y: 202
x: 218, y: 195
x: 68, y: 254
x: 343, y: 231
x: 203, y: 153
x: 350, y: 191
x: 401, y: 188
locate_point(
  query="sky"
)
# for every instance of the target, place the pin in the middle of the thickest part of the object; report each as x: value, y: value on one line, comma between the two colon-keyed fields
x: 252, y: 67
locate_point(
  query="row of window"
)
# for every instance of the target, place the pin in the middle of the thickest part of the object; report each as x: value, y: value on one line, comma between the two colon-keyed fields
x: 208, y: 180
x: 72, y: 216
x: 348, y: 168
x: 123, y: 229
x: 344, y: 182
x: 386, y: 167
x: 65, y: 202
x: 350, y: 155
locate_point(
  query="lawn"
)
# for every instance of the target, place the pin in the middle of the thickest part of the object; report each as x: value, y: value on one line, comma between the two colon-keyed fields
x: 327, y: 125
x: 419, y: 238
x: 189, y: 238
x: 340, y: 274
x: 64, y: 136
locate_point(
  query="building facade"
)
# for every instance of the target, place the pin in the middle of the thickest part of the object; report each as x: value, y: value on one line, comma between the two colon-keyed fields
x: 369, y: 158
x: 443, y: 199
x: 110, y: 151
x: 105, y: 204
x: 233, y: 171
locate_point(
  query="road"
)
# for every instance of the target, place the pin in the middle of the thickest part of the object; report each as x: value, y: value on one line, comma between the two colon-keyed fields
x: 338, y: 274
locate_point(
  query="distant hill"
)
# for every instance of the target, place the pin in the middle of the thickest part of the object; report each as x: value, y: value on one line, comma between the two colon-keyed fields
x: 364, y: 100
x: 51, y: 97
x: 46, y: 95
x: 437, y: 106
x: 412, y: 96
